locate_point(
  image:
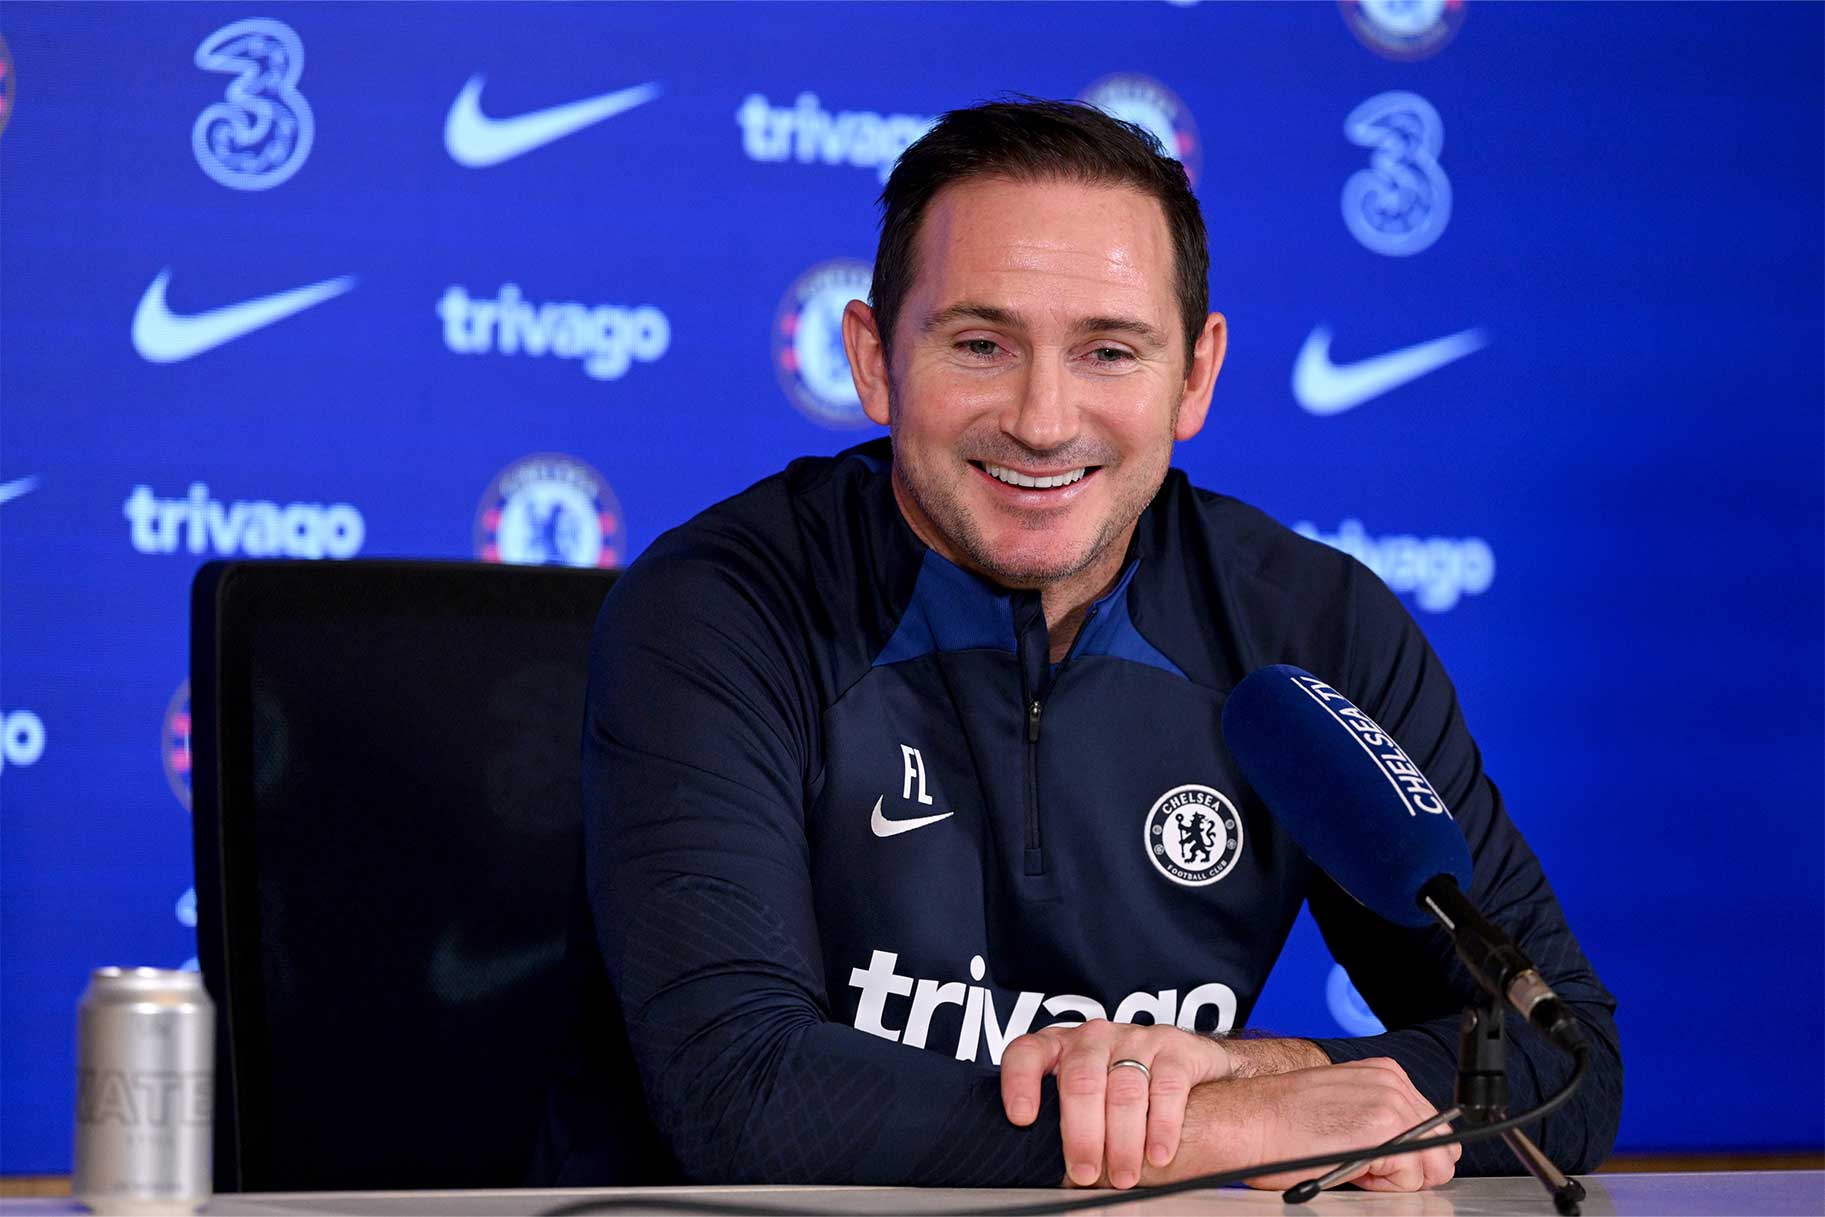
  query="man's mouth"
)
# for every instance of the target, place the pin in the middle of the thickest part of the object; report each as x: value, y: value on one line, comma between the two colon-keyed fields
x: 1031, y: 481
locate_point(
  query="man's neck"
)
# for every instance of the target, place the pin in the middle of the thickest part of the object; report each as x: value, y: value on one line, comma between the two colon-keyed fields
x: 1067, y: 602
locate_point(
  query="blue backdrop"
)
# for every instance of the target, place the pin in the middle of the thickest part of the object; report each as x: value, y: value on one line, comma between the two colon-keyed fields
x: 1525, y: 307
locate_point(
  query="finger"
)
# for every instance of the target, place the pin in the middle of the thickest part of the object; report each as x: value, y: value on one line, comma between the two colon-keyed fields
x: 1173, y: 1078
x: 1409, y: 1172
x: 1434, y: 1161
x: 1449, y: 1154
x: 1082, y: 1070
x: 1456, y: 1151
x: 1395, y: 1173
x: 1405, y: 1109
x: 1434, y: 1167
x: 1413, y: 1171
x: 1438, y: 1166
x: 1024, y: 1063
x: 1125, y: 1118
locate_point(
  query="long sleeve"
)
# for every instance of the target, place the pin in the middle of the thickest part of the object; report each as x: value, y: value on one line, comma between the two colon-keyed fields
x: 698, y: 756
x: 1411, y: 978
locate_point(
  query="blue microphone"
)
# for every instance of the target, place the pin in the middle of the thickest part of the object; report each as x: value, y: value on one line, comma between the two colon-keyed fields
x: 1366, y: 815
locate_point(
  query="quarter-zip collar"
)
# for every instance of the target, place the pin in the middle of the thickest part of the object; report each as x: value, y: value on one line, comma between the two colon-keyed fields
x: 948, y: 608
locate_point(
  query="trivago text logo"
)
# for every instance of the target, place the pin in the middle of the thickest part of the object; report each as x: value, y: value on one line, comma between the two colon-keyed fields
x: 807, y: 133
x: 1204, y: 1009
x: 608, y: 338
x: 1436, y: 571
x: 257, y: 528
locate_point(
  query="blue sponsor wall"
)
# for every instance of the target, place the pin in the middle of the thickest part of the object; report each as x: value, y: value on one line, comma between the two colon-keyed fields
x: 1526, y: 312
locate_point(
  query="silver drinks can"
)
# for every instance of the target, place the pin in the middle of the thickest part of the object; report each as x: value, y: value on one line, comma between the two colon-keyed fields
x: 145, y: 1092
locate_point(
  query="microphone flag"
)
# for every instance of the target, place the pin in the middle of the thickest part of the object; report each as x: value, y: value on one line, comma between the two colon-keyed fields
x: 1346, y: 791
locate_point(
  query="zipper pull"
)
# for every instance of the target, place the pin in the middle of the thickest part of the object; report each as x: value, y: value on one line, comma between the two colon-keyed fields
x: 1033, y: 723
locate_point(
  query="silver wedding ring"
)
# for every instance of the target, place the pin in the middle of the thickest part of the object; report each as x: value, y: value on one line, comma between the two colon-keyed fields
x: 1129, y: 1063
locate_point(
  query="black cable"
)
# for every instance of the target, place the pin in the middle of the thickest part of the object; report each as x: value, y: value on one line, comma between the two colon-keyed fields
x: 1102, y: 1198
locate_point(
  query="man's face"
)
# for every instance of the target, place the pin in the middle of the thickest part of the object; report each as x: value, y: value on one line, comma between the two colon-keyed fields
x: 1039, y: 376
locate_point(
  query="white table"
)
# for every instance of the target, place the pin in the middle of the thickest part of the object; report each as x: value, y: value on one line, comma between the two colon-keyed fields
x: 1720, y: 1194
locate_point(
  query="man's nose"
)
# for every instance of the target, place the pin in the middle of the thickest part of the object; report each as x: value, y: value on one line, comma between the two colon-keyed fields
x: 1043, y: 417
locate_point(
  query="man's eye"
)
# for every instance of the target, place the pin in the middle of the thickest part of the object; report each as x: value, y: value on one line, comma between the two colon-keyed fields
x: 981, y: 347
x: 1110, y: 355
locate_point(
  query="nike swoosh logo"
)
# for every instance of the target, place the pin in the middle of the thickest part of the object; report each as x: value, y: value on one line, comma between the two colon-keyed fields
x: 475, y: 140
x: 460, y: 977
x: 1323, y: 387
x: 884, y: 827
x: 161, y: 336
x: 18, y: 486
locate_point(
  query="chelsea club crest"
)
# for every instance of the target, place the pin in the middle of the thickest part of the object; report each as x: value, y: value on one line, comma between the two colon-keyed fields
x: 1193, y: 835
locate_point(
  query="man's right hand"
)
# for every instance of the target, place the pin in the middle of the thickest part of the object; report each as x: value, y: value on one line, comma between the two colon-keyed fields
x: 1241, y: 1121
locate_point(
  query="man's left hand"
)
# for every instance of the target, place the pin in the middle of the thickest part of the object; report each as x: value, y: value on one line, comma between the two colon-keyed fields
x: 1109, y: 1115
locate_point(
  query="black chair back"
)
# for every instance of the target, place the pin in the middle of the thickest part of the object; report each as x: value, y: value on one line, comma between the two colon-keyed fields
x: 388, y: 853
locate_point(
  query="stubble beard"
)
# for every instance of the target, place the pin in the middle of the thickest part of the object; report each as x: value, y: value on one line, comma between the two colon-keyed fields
x: 941, y: 502
x: 942, y: 505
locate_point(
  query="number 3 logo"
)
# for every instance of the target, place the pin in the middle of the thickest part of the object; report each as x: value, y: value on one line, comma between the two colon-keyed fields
x: 259, y: 135
x: 1402, y: 202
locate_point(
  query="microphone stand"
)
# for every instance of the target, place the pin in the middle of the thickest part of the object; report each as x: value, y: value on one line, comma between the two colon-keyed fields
x: 1481, y: 1097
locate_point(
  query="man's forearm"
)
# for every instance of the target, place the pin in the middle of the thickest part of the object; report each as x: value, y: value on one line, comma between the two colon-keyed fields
x: 1253, y: 1058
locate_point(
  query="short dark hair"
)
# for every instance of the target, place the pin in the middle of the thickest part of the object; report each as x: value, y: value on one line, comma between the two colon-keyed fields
x: 1034, y: 140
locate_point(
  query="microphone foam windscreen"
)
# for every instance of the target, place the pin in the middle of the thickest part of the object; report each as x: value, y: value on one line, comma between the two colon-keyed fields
x: 1343, y: 788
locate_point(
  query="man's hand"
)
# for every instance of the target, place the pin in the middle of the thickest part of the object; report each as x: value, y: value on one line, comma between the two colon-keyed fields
x: 1207, y: 1105
x: 1108, y: 1115
x: 1247, y: 1120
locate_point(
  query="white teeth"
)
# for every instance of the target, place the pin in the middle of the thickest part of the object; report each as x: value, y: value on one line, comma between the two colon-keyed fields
x: 1032, y: 483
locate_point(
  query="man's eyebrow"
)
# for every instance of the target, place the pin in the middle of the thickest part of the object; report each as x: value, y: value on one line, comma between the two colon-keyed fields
x: 973, y: 312
x: 1121, y: 325
x: 1007, y: 317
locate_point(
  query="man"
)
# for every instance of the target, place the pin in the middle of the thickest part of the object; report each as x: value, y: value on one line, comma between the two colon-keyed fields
x: 874, y: 749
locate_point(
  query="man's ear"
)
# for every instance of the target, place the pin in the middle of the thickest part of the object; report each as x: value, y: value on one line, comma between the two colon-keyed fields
x: 867, y: 360
x: 1201, y: 376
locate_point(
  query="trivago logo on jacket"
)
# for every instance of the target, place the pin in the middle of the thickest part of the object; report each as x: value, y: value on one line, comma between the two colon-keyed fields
x: 904, y: 1008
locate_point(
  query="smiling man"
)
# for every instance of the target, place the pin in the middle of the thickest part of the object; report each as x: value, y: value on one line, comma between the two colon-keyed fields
x: 1044, y: 371
x: 915, y: 855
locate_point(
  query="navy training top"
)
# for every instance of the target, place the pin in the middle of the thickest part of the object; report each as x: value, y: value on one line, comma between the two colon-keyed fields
x: 848, y: 833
